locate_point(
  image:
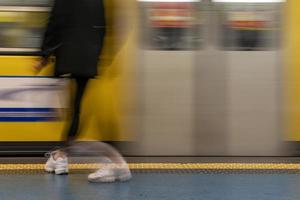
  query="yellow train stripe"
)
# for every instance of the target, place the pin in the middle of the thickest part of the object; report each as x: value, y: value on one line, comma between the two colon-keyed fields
x: 175, y: 166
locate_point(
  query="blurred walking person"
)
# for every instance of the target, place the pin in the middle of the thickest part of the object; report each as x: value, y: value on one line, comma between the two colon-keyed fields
x: 75, y: 36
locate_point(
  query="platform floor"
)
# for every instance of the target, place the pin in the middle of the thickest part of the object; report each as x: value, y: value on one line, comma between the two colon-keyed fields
x: 185, y: 179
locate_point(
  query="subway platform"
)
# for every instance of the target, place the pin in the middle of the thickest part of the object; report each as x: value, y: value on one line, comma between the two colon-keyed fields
x: 156, y: 178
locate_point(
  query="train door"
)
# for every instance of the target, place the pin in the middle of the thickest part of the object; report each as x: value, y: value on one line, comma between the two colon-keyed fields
x: 169, y: 36
x: 210, y: 136
x: 249, y: 35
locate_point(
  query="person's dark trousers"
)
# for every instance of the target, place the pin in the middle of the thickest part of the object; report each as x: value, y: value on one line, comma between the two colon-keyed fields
x: 81, y: 83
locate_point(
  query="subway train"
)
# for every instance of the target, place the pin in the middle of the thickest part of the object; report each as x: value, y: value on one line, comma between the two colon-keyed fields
x: 192, y: 78
x: 34, y: 106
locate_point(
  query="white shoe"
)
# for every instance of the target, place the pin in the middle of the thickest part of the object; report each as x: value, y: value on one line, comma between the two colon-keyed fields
x: 59, y: 166
x: 111, y: 173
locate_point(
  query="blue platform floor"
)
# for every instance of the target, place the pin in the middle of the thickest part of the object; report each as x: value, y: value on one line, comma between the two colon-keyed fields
x: 153, y: 186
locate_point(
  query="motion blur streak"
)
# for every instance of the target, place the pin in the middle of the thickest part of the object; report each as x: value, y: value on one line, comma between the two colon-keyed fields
x: 177, y: 77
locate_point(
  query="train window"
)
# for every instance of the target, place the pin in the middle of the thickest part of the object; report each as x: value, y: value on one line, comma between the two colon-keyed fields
x: 25, y: 2
x: 22, y: 25
x: 170, y: 25
x: 21, y: 30
x: 249, y: 26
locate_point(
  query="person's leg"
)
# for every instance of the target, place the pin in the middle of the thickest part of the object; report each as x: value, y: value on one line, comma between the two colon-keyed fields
x: 58, y: 158
x: 81, y: 84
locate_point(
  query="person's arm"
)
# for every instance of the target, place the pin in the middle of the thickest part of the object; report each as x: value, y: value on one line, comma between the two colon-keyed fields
x: 51, y: 39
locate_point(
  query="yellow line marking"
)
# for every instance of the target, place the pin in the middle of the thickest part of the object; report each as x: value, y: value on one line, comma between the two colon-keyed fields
x: 178, y: 166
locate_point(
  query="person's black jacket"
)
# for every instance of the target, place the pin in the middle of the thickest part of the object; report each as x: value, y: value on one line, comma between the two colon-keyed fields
x: 75, y: 36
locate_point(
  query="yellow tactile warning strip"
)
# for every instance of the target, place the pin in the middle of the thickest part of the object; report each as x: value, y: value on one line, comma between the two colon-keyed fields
x: 173, y: 166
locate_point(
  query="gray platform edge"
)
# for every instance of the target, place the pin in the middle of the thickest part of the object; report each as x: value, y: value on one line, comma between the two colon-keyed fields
x: 127, y: 148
